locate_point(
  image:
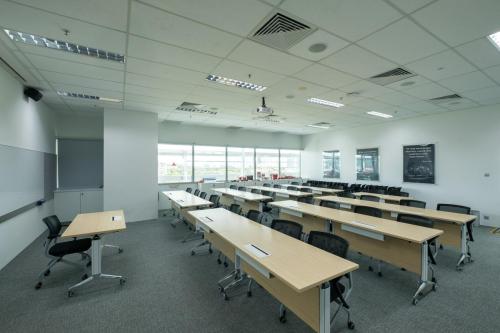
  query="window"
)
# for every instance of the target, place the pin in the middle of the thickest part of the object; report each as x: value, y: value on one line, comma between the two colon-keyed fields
x: 331, y: 164
x: 289, y: 163
x: 209, y: 163
x: 267, y: 161
x: 175, y: 163
x: 240, y: 163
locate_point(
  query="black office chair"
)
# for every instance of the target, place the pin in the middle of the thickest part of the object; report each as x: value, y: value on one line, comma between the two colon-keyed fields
x: 305, y: 184
x: 370, y: 198
x: 338, y: 291
x: 422, y: 222
x: 346, y: 195
x: 292, y: 188
x: 306, y: 189
x: 254, y: 215
x: 203, y: 195
x: 294, y: 183
x: 189, y: 190
x: 394, y: 190
x: 460, y: 210
x: 254, y: 190
x: 290, y: 228
x: 57, y: 251
x: 214, y: 198
x: 266, y: 185
x: 233, y: 187
x: 404, y: 194
x: 412, y: 203
x: 308, y: 200
x: 242, y: 188
x: 235, y: 208
x: 370, y: 211
x: 196, y: 192
x: 277, y: 186
x: 329, y: 204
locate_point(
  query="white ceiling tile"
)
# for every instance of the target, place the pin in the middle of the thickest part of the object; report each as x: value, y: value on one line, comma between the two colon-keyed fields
x: 481, y: 52
x: 77, y: 69
x: 171, y: 55
x: 440, y: 66
x: 409, y: 6
x: 340, y: 97
x: 466, y: 82
x: 397, y: 98
x: 157, y: 70
x: 332, y: 43
x: 238, y: 71
x: 21, y: 18
x: 428, y: 91
x: 460, y: 105
x: 164, y: 27
x: 459, y: 21
x: 168, y: 85
x: 260, y: 56
x: 371, y: 104
x: 403, y: 42
x: 365, y: 89
x: 146, y: 91
x: 485, y: 96
x: 357, y: 61
x: 109, y: 13
x: 68, y: 79
x: 164, y: 101
x: 408, y: 83
x: 236, y: 16
x: 423, y: 107
x: 300, y: 90
x: 494, y: 73
x: 130, y: 105
x: 351, y: 19
x: 325, y: 76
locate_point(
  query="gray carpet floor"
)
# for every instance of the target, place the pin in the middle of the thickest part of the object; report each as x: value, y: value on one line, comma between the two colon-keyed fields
x: 168, y: 290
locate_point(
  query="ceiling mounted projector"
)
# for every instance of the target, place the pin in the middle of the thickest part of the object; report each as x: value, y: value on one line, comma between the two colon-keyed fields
x: 263, y: 108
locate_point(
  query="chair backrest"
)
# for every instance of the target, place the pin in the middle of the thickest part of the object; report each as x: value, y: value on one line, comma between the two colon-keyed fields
x: 203, y: 195
x: 254, y: 215
x: 242, y: 188
x: 393, y: 190
x: 416, y: 220
x: 306, y: 189
x: 292, y: 188
x: 214, y: 198
x: 254, y: 190
x: 308, y: 200
x: 266, y: 193
x: 235, y: 208
x: 290, y: 228
x: 305, y: 184
x: 266, y: 185
x: 370, y: 198
x: 329, y: 204
x: 294, y: 183
x: 404, y: 194
x: 54, y: 225
x: 196, y: 192
x: 233, y: 187
x: 346, y: 195
x: 277, y: 186
x: 453, y: 208
x: 375, y: 212
x: 189, y: 190
x: 329, y: 242
x: 412, y: 203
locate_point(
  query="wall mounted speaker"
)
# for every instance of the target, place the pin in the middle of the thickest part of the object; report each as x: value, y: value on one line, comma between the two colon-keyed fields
x: 33, y: 93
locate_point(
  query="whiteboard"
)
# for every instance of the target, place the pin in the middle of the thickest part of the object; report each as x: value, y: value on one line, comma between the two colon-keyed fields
x: 26, y: 176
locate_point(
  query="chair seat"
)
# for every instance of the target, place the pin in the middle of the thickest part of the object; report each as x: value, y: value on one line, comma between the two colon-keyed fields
x: 65, y: 248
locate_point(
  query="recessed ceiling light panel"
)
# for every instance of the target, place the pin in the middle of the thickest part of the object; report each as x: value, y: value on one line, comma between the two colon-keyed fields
x: 379, y: 114
x: 85, y: 96
x: 235, y: 83
x: 54, y: 44
x: 321, y: 125
x: 495, y: 39
x: 324, y: 102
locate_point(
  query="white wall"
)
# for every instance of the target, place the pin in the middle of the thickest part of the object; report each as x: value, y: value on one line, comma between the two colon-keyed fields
x: 130, y: 163
x: 467, y: 147
x: 79, y: 125
x: 30, y: 125
x: 219, y: 136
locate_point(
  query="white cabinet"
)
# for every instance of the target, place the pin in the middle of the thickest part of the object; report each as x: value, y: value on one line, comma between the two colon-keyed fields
x: 69, y: 203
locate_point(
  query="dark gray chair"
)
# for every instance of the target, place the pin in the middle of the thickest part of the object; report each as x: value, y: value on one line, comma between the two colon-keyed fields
x: 329, y: 204
x: 412, y: 203
x: 308, y: 200
x: 233, y: 187
x: 189, y: 190
x: 370, y: 198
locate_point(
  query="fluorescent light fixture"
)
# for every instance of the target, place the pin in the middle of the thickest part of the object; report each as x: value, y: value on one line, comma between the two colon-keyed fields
x: 379, y: 114
x: 324, y: 102
x: 54, y: 44
x: 495, y: 39
x: 319, y: 126
x: 84, y: 96
x: 235, y: 83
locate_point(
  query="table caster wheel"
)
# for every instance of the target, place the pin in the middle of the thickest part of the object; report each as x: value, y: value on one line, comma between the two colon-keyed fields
x: 84, y: 276
x: 122, y: 281
x: 370, y: 268
x: 434, y: 280
x: 434, y: 287
x: 71, y: 293
x: 120, y: 250
x: 249, y: 294
x: 210, y: 251
x: 226, y: 298
x: 283, y: 318
x: 192, y: 253
x: 415, y: 301
x: 379, y: 274
x: 47, y: 272
x: 38, y: 285
x: 225, y: 264
x: 350, y: 325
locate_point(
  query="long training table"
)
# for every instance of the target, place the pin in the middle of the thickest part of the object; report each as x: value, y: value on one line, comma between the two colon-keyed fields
x: 454, y: 225
x: 403, y: 245
x: 315, y: 190
x: 387, y: 198
x: 246, y: 200
x: 282, y: 194
x: 295, y: 273
x: 183, y: 202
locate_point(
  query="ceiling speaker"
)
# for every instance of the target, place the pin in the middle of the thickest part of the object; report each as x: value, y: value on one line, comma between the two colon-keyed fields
x: 33, y: 93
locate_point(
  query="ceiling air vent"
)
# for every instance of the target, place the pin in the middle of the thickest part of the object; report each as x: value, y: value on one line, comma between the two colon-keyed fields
x: 391, y: 76
x: 195, y: 108
x: 445, y: 99
x: 281, y: 31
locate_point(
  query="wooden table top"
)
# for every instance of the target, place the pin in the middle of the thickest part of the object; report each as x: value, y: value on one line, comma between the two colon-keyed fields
x: 296, y: 263
x: 383, y: 196
x: 314, y: 188
x: 409, y: 232
x: 91, y: 224
x: 424, y: 212
x: 283, y: 191
x: 242, y: 194
x: 185, y: 199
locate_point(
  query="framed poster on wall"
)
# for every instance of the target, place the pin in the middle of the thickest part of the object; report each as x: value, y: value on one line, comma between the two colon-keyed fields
x: 419, y: 164
x: 367, y: 164
x: 331, y: 164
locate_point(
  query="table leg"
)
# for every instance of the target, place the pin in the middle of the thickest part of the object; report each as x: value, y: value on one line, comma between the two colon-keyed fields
x: 464, y: 253
x: 324, y: 308
x: 424, y: 276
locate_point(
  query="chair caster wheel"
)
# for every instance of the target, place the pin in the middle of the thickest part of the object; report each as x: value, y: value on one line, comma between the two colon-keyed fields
x: 120, y: 250
x: 379, y: 274
x: 38, y: 285
x: 89, y: 264
x: 370, y: 268
x: 70, y: 293
x: 434, y: 280
x: 283, y: 319
x: 210, y: 251
x: 192, y: 253
x: 122, y: 281
x: 350, y: 325
x: 440, y: 247
x: 84, y: 276
x: 415, y: 301
x: 47, y: 272
x: 249, y: 294
x: 219, y: 261
x: 221, y: 289
x: 225, y: 264
x: 226, y: 298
